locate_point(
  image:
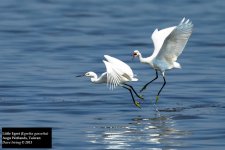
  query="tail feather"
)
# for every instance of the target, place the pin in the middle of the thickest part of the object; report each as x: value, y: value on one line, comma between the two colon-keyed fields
x: 134, y: 79
x: 176, y: 65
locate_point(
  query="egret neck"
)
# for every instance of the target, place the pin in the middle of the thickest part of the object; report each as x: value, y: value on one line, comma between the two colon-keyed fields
x: 147, y: 60
x: 94, y: 78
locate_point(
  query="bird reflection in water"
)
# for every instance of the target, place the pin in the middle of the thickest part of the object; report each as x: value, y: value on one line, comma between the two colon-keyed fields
x: 150, y: 133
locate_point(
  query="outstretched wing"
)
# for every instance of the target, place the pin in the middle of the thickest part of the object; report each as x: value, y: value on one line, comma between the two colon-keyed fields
x: 114, y: 77
x: 120, y: 65
x: 158, y: 38
x: 175, y: 42
x: 117, y: 72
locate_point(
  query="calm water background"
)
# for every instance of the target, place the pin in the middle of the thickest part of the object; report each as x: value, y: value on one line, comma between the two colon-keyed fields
x: 45, y: 43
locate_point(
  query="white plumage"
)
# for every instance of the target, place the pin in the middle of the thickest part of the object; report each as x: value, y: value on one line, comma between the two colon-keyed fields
x: 117, y: 74
x: 117, y: 71
x: 168, y: 45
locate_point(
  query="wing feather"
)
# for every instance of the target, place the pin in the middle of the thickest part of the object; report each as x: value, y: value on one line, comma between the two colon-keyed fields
x: 176, y: 41
x: 120, y: 65
x: 158, y: 38
x: 113, y: 75
x: 117, y: 72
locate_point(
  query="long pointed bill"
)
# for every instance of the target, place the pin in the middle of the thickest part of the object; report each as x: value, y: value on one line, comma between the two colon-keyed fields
x: 80, y: 76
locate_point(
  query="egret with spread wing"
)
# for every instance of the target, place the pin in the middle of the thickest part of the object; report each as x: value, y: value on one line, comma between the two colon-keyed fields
x: 117, y: 74
x: 168, y: 45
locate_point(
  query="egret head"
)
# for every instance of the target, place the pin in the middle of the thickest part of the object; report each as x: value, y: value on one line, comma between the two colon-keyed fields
x: 136, y: 53
x: 87, y: 74
x: 90, y: 74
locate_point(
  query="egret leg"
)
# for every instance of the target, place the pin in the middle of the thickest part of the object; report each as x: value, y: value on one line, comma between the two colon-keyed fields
x: 157, y: 97
x: 137, y: 104
x: 131, y: 87
x: 144, y: 87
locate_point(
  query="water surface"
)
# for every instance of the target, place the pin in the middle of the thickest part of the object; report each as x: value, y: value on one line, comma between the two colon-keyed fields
x: 45, y: 44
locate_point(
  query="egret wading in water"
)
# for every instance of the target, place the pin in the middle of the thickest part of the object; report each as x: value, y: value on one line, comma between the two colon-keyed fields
x: 168, y: 45
x: 117, y: 73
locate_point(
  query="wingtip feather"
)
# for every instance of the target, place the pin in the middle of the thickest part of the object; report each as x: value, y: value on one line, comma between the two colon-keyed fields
x: 182, y: 21
x: 187, y: 21
x: 106, y: 56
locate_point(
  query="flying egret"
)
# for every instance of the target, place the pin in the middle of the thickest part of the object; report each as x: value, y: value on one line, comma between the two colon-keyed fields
x: 168, y: 45
x: 117, y: 74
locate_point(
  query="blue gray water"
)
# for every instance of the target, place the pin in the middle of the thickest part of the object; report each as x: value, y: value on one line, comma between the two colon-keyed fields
x: 44, y: 44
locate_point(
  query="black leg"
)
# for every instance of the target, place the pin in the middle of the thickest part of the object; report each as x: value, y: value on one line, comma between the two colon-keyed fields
x: 135, y: 102
x: 144, y: 87
x: 157, y: 97
x: 139, y: 96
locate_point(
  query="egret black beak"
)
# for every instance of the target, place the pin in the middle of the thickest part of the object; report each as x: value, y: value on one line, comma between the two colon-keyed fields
x: 80, y: 75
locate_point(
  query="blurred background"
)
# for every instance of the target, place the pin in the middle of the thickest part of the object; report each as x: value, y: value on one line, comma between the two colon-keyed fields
x: 44, y: 44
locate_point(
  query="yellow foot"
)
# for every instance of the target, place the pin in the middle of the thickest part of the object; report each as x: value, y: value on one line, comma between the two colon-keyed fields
x: 157, y: 99
x: 137, y: 104
x: 141, y: 97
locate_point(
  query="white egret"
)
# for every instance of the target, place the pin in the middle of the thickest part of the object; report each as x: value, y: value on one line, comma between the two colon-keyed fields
x: 168, y: 45
x: 117, y: 74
